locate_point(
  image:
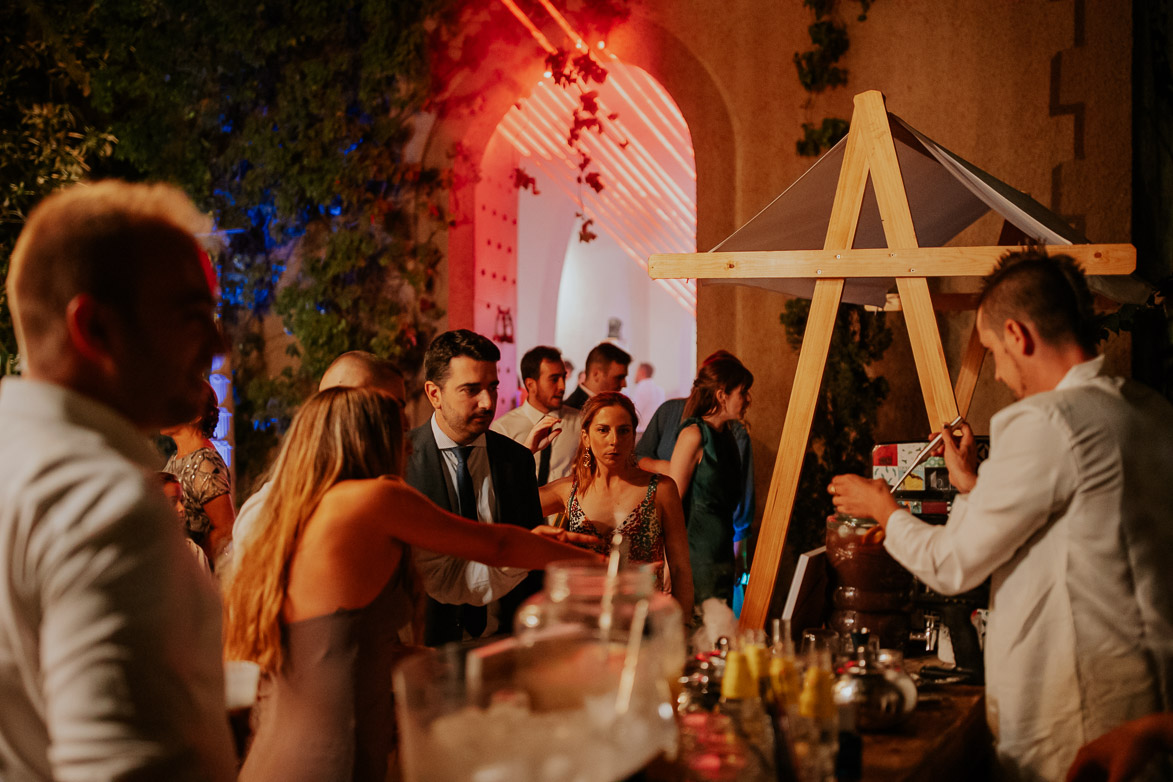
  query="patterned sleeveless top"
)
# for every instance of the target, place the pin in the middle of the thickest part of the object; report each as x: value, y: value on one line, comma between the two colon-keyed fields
x: 642, y: 529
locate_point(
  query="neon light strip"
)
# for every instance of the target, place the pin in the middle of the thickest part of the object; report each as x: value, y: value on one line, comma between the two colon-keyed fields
x: 669, y: 119
x: 533, y: 30
x: 640, y: 167
x: 637, y: 154
x: 683, y: 291
x: 628, y: 159
x: 560, y: 20
x: 538, y: 111
x: 652, y: 125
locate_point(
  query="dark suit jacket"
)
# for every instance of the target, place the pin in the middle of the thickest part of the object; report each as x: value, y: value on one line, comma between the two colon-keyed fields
x: 578, y: 398
x: 511, y: 467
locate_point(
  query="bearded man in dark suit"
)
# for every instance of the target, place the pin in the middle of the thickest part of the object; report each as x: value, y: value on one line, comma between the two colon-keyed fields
x: 464, y: 468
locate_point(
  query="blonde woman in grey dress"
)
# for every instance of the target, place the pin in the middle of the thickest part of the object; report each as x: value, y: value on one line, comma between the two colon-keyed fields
x: 326, y: 583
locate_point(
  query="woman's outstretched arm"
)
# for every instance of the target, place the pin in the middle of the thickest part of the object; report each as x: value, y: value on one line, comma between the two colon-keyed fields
x: 403, y: 513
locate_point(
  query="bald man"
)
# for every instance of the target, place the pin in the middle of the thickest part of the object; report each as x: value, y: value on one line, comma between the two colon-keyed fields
x: 353, y: 369
x: 109, y: 633
x: 360, y: 369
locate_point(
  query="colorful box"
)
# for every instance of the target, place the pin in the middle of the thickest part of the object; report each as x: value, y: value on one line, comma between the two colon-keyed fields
x: 890, y: 460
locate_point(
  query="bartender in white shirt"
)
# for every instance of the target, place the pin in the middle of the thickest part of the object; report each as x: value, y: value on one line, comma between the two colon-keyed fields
x: 1071, y: 517
x: 544, y: 375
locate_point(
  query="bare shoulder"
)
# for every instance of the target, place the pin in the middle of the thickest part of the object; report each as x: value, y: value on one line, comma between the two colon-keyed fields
x: 689, y: 439
x: 355, y: 496
x: 560, y: 487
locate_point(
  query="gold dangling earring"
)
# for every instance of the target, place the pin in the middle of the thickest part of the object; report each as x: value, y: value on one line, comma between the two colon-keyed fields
x: 588, y: 460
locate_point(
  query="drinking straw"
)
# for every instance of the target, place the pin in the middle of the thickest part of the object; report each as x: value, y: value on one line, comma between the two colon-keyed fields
x: 606, y: 618
x: 631, y: 658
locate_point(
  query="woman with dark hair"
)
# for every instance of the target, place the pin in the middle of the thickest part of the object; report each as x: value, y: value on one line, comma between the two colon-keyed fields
x: 324, y: 587
x: 607, y: 492
x: 707, y: 468
x: 207, y: 489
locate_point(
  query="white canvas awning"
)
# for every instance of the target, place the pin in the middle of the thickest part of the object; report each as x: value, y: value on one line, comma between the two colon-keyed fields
x: 946, y: 194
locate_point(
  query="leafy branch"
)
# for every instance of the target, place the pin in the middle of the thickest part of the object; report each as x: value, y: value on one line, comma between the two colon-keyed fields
x: 818, y: 71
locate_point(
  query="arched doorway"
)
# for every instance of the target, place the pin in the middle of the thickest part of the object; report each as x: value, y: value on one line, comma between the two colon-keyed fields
x: 536, y: 282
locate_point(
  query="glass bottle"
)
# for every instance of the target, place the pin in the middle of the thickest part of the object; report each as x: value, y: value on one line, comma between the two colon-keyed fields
x: 741, y: 703
x: 816, y: 732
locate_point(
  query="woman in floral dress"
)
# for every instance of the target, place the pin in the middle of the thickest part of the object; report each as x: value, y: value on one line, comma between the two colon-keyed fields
x: 607, y: 492
x: 207, y: 490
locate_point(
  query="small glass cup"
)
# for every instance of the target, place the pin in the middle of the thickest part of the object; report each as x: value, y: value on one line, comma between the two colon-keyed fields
x: 820, y: 647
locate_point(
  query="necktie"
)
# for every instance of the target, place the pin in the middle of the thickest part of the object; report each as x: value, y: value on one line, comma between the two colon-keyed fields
x: 472, y: 618
x: 464, y: 491
x: 544, y: 467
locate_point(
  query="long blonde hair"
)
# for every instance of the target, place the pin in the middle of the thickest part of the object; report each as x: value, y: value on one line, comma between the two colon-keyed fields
x: 339, y: 434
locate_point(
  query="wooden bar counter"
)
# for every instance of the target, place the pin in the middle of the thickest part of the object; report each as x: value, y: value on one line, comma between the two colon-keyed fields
x: 945, y: 738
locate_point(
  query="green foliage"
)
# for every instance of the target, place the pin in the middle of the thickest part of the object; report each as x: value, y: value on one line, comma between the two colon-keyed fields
x: 849, y: 399
x: 816, y: 68
x: 288, y: 122
x: 817, y: 139
x: 817, y: 71
x: 45, y: 142
x: 845, y: 416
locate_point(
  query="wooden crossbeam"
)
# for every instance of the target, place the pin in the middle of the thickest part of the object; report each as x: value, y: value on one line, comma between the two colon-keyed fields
x: 878, y: 262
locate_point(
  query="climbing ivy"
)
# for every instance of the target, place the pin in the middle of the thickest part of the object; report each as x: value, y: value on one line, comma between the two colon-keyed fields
x: 45, y: 141
x: 292, y: 124
x: 818, y: 71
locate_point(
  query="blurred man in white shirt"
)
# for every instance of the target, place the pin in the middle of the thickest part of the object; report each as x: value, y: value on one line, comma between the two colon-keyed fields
x: 109, y: 632
x: 646, y: 395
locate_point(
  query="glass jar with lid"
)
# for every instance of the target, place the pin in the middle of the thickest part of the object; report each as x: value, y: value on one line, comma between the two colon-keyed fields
x: 872, y: 591
x: 578, y: 593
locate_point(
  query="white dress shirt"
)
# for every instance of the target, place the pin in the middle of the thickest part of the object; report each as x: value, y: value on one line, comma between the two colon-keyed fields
x: 647, y: 398
x: 109, y: 633
x: 1072, y: 515
x: 459, y: 581
x: 517, y: 423
x: 244, y: 526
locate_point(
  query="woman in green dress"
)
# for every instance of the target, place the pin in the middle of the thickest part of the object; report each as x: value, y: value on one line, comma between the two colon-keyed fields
x: 707, y: 469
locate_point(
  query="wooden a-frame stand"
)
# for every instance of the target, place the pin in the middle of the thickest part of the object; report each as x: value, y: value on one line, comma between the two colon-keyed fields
x: 870, y: 150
